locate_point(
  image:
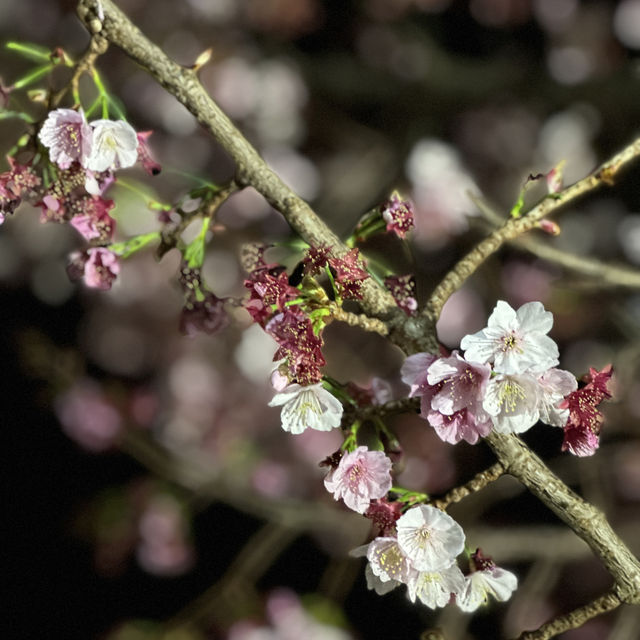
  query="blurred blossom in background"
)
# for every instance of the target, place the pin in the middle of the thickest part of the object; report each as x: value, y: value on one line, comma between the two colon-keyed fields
x: 347, y: 101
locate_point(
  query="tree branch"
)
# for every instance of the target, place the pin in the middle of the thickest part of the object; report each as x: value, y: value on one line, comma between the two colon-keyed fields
x: 574, y: 619
x: 515, y: 227
x: 587, y: 521
x: 608, y: 274
x: 478, y: 482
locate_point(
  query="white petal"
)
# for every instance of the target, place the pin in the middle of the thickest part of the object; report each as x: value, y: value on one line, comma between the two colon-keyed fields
x: 533, y: 318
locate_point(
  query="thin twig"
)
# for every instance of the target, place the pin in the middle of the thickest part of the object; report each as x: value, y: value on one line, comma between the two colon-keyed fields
x: 607, y: 274
x: 574, y: 619
x: 360, y: 320
x: 255, y: 558
x: 515, y: 227
x: 478, y: 482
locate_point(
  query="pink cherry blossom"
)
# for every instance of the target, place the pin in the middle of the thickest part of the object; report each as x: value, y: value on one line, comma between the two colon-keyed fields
x: 144, y: 154
x: 68, y: 137
x: 94, y: 221
x: 349, y: 274
x: 88, y: 417
x: 463, y: 384
x: 101, y: 268
x: 403, y: 290
x: 461, y: 425
x: 361, y: 476
x: 585, y: 419
x: 398, y: 215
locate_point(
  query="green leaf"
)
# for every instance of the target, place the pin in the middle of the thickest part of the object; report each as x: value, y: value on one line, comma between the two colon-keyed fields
x: 30, y: 50
x: 194, y: 252
x: 32, y: 76
x: 129, y: 247
x: 5, y: 115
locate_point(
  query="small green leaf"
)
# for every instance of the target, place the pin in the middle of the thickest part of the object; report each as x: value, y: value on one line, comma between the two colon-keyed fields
x: 32, y: 76
x: 131, y: 246
x: 194, y: 252
x: 30, y: 50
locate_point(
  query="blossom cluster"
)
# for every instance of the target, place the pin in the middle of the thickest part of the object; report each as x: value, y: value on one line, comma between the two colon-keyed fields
x: 295, y: 316
x: 421, y: 552
x: 83, y: 157
x: 506, y: 381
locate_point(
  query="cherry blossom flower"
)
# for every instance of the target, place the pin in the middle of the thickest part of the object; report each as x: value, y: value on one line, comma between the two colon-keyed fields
x: 585, y: 419
x: 268, y: 294
x: 461, y: 425
x: 115, y: 146
x: 515, y: 341
x: 315, y: 260
x: 384, y: 515
x: 361, y: 476
x: 298, y: 344
x: 463, y: 384
x: 311, y: 406
x: 374, y: 583
x: 68, y: 137
x: 164, y: 548
x: 512, y: 402
x: 435, y: 588
x: 349, y: 274
x: 553, y: 386
x: 94, y: 223
x: 144, y: 154
x: 430, y: 538
x: 414, y: 372
x: 403, y: 290
x: 398, y: 215
x: 16, y: 183
x: 98, y: 267
x: 486, y: 579
x: 388, y: 561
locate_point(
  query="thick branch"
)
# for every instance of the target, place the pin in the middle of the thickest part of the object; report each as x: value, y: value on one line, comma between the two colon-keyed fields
x: 517, y: 226
x: 587, y: 521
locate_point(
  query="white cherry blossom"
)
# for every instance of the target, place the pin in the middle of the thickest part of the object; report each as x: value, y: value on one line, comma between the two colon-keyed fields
x: 512, y: 402
x: 311, y: 406
x: 435, y: 588
x: 429, y: 537
x: 479, y: 585
x: 515, y: 341
x: 374, y: 583
x: 554, y: 386
x: 115, y: 146
x: 388, y: 561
